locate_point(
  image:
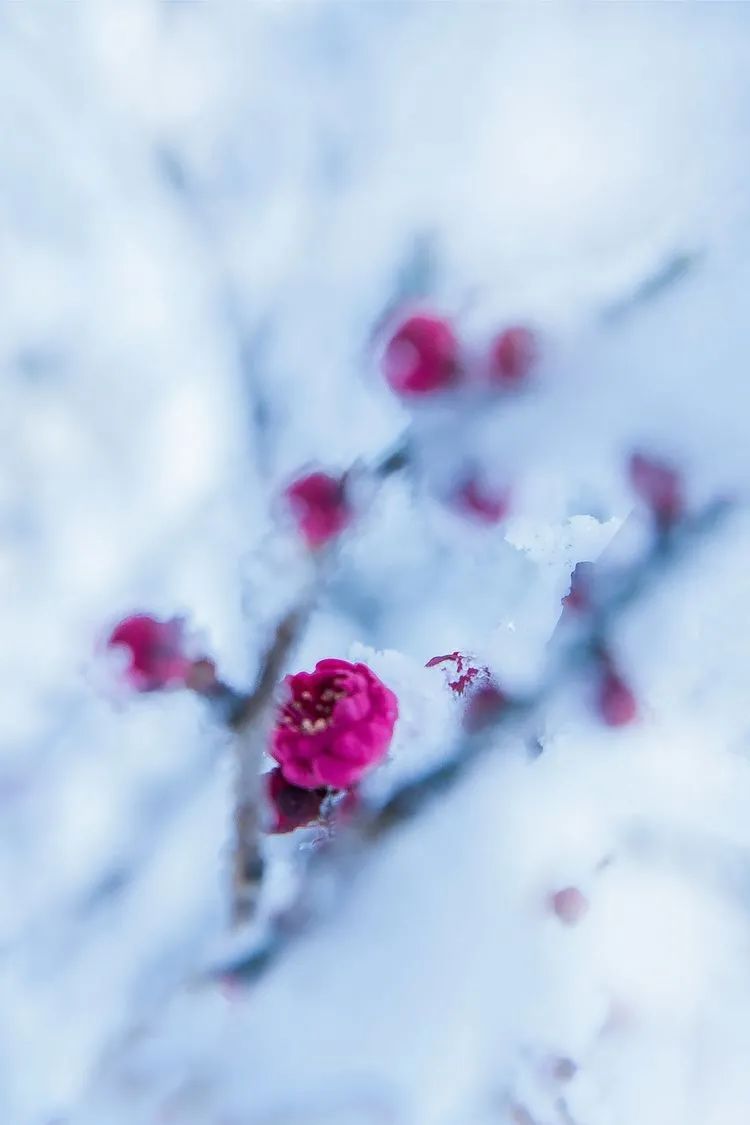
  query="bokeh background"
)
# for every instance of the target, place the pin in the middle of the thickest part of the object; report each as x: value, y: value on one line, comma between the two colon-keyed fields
x: 205, y: 211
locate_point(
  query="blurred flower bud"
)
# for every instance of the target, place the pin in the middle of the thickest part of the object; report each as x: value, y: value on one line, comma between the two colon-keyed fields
x: 421, y: 357
x: 513, y: 355
x: 320, y: 507
x: 155, y: 650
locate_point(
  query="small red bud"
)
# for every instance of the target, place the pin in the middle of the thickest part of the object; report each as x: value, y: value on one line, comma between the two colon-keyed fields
x: 659, y: 486
x: 485, y: 707
x: 421, y: 356
x: 320, y: 507
x: 482, y: 503
x: 156, y: 651
x: 292, y: 807
x: 569, y: 905
x: 513, y: 354
x: 616, y: 702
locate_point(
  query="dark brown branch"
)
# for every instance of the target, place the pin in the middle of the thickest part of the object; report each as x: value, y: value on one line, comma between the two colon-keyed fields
x: 288, y: 632
x: 252, y: 722
x: 393, y: 461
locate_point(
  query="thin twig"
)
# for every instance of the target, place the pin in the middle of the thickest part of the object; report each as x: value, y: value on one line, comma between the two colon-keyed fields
x: 416, y: 278
x: 393, y: 460
x: 652, y: 286
x: 288, y: 631
x: 252, y: 723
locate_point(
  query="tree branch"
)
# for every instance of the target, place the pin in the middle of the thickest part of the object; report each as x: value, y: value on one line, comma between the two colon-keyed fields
x: 252, y: 723
x: 251, y: 717
x: 409, y: 800
x: 652, y: 286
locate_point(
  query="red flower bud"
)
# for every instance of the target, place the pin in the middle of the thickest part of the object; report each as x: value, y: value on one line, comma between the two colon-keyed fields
x: 156, y: 651
x: 319, y: 505
x: 421, y: 356
x: 477, y: 500
x: 292, y: 807
x: 513, y: 354
x: 569, y: 905
x: 485, y: 707
x: 616, y: 703
x: 659, y: 486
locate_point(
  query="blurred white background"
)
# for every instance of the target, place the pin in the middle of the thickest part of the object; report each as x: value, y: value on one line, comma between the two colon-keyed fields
x: 204, y: 210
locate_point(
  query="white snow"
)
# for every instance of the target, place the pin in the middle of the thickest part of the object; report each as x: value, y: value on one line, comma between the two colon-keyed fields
x: 203, y: 212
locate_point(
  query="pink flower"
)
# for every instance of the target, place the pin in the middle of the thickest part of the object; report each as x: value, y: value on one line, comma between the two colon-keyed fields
x: 421, y: 356
x: 569, y: 905
x: 335, y: 724
x: 292, y: 807
x: 484, y: 504
x: 616, y: 703
x: 512, y: 356
x: 320, y: 507
x: 156, y: 651
x: 659, y: 486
